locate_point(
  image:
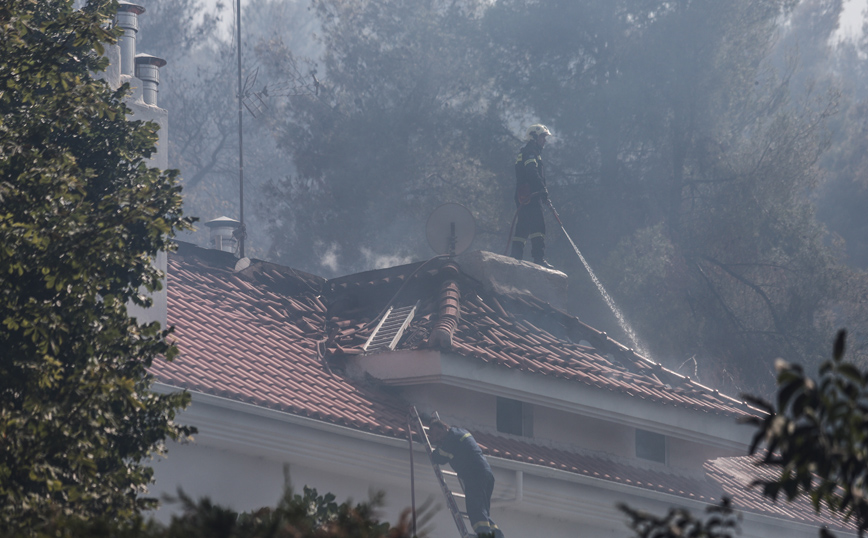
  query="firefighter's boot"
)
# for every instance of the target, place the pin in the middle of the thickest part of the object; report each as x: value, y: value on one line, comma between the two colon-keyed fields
x: 538, y: 250
x: 544, y: 263
x: 517, y: 249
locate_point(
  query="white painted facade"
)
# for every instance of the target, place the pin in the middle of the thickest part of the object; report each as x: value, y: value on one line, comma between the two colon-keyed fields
x: 238, y: 460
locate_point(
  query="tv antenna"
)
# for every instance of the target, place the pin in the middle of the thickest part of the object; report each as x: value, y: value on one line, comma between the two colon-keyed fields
x: 450, y: 229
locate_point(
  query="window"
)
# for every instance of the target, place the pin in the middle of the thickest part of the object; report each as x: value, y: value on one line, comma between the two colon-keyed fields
x: 514, y: 417
x: 650, y: 446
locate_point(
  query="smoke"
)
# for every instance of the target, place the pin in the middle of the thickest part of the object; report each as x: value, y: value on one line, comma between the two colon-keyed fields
x: 376, y: 260
x: 329, y: 259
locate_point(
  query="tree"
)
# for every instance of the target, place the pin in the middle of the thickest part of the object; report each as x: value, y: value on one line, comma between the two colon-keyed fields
x: 296, y: 515
x: 197, y: 84
x: 845, y: 192
x: 82, y: 217
x: 812, y: 436
x: 722, y: 521
x: 751, y: 272
x: 308, y: 515
x: 400, y: 120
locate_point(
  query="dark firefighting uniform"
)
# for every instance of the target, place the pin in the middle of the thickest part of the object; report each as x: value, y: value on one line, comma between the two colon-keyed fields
x: 459, y: 449
x: 530, y: 193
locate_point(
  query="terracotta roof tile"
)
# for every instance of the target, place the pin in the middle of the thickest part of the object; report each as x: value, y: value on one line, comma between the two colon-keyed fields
x: 238, y: 344
x: 735, y: 476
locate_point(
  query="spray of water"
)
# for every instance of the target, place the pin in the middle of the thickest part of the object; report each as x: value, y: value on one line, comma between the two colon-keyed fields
x: 631, y: 334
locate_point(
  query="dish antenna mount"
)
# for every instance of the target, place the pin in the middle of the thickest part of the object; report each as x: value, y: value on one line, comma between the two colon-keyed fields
x: 450, y: 229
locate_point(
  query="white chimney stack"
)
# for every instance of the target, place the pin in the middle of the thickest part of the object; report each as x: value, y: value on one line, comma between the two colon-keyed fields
x: 222, y: 237
x: 148, y: 71
x: 128, y: 19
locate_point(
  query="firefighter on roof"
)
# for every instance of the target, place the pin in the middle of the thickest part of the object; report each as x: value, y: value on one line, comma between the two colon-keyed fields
x: 458, y: 448
x: 530, y: 194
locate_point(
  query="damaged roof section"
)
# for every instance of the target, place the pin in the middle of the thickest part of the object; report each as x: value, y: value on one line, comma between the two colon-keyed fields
x: 510, y: 329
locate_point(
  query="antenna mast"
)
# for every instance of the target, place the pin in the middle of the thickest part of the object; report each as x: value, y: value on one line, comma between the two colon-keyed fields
x: 242, y: 229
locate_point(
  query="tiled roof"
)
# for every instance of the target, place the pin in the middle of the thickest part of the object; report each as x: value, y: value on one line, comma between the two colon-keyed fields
x: 274, y: 337
x: 734, y: 475
x: 241, y: 336
x: 520, y: 332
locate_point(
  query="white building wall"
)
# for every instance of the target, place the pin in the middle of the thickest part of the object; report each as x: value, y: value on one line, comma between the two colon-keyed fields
x: 690, y: 455
x: 586, y: 432
x: 144, y: 112
x: 463, y: 407
x: 239, y: 455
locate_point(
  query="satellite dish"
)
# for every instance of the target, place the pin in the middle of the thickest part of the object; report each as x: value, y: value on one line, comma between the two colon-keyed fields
x: 450, y: 229
x: 242, y: 264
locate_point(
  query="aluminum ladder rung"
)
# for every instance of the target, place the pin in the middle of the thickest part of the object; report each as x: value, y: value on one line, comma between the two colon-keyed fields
x: 391, y: 328
x: 457, y: 515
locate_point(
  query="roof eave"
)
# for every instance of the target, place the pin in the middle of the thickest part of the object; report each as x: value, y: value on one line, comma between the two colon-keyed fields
x: 416, y: 367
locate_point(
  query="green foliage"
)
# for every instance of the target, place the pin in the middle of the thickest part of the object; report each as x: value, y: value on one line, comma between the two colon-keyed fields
x: 721, y: 522
x: 309, y: 515
x: 306, y: 515
x: 815, y: 436
x: 82, y: 217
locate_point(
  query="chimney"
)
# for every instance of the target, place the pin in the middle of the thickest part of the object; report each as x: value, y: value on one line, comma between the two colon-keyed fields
x: 222, y: 234
x: 128, y: 19
x: 148, y: 70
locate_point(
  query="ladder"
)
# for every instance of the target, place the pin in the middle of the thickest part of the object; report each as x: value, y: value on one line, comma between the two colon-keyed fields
x: 450, y: 496
x: 390, y: 329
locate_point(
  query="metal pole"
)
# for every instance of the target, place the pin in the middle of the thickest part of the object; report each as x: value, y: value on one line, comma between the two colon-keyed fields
x: 240, y: 138
x: 453, y: 240
x: 412, y: 474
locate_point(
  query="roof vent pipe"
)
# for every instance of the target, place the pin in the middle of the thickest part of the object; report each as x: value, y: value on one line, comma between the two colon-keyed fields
x: 222, y: 234
x: 128, y: 18
x: 148, y: 70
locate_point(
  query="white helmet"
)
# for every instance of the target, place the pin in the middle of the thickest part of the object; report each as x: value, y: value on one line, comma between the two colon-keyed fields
x: 536, y: 130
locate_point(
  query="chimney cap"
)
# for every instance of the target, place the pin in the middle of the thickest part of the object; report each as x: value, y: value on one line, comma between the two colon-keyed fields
x: 129, y: 6
x: 147, y: 59
x: 222, y: 222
